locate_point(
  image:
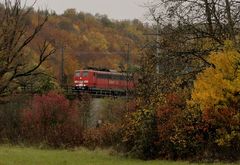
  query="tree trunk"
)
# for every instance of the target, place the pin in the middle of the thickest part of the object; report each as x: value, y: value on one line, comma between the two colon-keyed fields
x: 230, y: 21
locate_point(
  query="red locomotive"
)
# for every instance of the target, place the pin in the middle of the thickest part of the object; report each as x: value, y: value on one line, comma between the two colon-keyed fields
x: 104, y: 82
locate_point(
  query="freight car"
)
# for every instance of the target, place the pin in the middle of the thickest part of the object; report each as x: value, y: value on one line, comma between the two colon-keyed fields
x: 102, y: 82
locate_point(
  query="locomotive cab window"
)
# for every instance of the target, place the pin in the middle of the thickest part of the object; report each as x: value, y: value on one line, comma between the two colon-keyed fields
x: 77, y: 73
x: 85, y: 74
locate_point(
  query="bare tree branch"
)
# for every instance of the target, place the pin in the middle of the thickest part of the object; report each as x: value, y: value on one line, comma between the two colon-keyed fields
x: 14, y: 39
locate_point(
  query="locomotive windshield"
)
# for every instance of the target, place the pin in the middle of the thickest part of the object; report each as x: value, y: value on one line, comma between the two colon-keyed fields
x: 77, y: 73
x: 85, y: 74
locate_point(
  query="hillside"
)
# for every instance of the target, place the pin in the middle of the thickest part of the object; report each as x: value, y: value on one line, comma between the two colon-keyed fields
x: 87, y: 40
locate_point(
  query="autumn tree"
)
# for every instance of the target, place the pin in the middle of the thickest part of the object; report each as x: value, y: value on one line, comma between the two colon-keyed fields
x: 97, y: 41
x: 216, y: 94
x: 190, y: 43
x: 70, y: 12
x: 189, y: 30
x: 219, y: 86
x: 16, y: 61
x: 140, y: 127
x: 214, y: 20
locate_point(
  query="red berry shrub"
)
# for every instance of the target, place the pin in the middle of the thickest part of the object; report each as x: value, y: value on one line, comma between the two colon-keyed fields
x: 52, y: 120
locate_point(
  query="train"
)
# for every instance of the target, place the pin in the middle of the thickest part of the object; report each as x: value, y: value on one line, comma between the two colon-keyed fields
x: 102, y: 82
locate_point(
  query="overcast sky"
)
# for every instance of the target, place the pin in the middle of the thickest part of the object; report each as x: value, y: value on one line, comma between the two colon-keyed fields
x: 116, y: 9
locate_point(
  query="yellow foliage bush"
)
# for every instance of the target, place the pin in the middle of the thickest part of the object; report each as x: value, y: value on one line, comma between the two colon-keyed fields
x: 217, y: 94
x: 216, y: 86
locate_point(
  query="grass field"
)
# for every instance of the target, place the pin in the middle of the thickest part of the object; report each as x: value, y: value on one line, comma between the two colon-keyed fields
x: 29, y: 156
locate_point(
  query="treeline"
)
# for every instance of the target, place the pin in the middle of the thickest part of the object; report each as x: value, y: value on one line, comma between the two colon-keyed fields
x: 77, y: 40
x: 89, y: 40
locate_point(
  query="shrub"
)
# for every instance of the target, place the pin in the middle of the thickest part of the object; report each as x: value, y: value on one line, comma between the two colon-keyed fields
x: 206, y: 136
x: 105, y: 136
x: 181, y: 131
x: 190, y: 135
x: 216, y: 94
x: 10, y: 118
x: 109, y: 133
x: 113, y: 110
x: 225, y: 123
x: 83, y: 104
x: 50, y: 119
x: 139, y: 134
x: 167, y: 116
x: 9, y: 125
